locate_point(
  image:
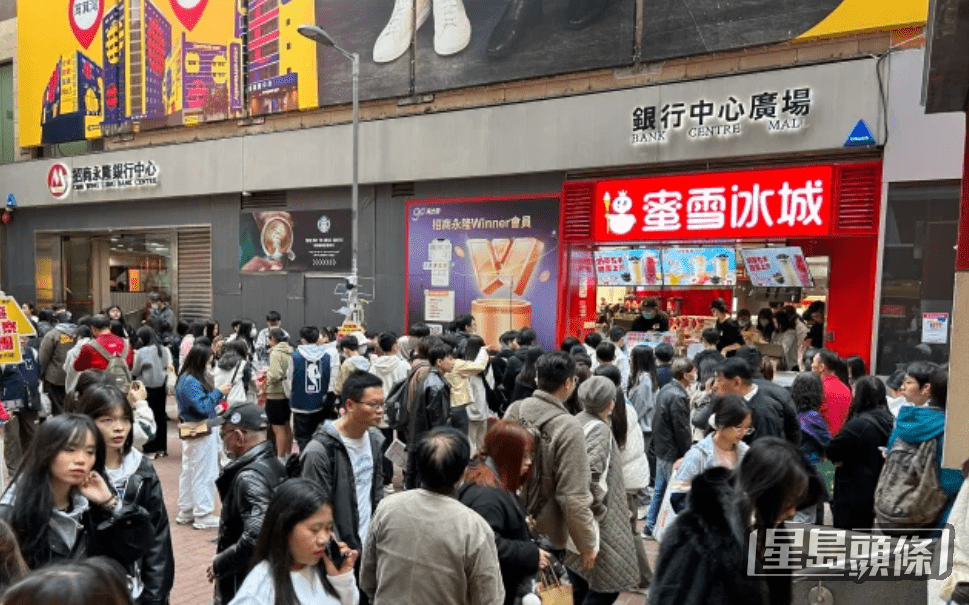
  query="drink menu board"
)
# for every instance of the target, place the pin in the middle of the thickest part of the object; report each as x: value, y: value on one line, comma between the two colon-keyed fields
x: 628, y: 267
x: 778, y: 267
x: 714, y: 266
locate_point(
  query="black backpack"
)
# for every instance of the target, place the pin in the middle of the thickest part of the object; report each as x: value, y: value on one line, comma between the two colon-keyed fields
x: 397, y: 404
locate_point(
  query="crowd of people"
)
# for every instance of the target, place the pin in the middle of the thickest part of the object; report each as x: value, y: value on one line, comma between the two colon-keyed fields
x: 436, y: 467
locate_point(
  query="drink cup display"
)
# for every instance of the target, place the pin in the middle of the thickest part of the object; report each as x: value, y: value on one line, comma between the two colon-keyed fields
x: 651, y: 276
x: 495, y: 316
x: 699, y: 266
x: 787, y: 268
x: 722, y: 266
x: 635, y: 266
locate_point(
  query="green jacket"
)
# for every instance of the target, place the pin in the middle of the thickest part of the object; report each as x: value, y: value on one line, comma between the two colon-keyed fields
x: 280, y: 356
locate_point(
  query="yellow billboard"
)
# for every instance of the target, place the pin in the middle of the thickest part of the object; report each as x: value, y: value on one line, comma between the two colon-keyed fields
x: 89, y: 68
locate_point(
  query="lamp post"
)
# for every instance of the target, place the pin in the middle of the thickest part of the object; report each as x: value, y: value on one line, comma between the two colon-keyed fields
x: 319, y: 36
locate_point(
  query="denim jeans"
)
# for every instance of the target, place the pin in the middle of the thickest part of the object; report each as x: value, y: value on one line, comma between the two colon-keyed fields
x: 664, y: 468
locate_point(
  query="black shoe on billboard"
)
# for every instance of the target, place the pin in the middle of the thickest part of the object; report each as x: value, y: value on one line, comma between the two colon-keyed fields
x: 518, y: 18
x: 582, y: 13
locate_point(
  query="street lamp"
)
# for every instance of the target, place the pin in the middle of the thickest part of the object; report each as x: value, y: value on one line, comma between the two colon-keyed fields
x: 316, y: 34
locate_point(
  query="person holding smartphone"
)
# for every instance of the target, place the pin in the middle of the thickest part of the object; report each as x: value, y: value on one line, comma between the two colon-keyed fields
x: 298, y: 560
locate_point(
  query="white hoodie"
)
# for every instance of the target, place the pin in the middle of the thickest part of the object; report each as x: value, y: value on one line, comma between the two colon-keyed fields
x: 390, y: 369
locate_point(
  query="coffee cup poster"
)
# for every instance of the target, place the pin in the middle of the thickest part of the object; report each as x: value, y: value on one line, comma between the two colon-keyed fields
x: 300, y: 241
x: 497, y: 260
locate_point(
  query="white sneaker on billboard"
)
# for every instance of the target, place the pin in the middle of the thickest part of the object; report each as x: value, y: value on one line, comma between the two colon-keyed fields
x: 452, y: 30
x: 396, y: 36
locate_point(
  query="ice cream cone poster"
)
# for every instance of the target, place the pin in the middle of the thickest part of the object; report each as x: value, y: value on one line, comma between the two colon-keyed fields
x: 497, y: 260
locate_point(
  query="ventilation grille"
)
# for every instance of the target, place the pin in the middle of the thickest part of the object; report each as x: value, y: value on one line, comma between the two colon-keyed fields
x: 577, y: 212
x: 264, y: 200
x: 402, y: 189
x: 859, y: 192
x: 194, y: 274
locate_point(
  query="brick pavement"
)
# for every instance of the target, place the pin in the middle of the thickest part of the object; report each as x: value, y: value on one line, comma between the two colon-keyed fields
x: 194, y: 552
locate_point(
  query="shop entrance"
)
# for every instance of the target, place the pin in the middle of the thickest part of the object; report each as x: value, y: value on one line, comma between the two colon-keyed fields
x: 90, y: 271
x: 756, y: 277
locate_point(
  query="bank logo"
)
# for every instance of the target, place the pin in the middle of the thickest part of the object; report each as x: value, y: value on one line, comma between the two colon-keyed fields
x: 323, y: 225
x: 59, y: 181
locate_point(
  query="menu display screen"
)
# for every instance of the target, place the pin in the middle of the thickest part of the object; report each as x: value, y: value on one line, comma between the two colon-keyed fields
x: 628, y: 267
x: 778, y: 267
x: 713, y: 266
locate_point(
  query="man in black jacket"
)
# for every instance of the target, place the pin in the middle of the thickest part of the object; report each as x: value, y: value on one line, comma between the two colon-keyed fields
x: 730, y: 337
x: 526, y: 338
x: 672, y: 436
x: 246, y: 487
x: 344, y: 458
x: 431, y: 407
x: 771, y: 415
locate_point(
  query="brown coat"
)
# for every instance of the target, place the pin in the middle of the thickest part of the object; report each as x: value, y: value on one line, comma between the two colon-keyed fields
x: 557, y: 492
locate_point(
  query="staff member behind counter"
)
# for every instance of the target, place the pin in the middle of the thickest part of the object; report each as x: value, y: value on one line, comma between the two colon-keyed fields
x: 651, y: 319
x: 730, y: 337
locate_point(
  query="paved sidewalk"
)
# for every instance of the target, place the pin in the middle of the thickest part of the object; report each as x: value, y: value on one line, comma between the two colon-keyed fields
x: 193, y: 551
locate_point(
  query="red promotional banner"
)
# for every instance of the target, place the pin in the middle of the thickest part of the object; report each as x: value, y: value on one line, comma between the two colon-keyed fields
x: 788, y: 202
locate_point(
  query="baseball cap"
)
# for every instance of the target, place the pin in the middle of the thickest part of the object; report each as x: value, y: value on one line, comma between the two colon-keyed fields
x: 244, y: 415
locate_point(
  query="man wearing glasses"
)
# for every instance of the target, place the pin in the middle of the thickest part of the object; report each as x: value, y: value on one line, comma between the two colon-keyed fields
x: 344, y: 458
x: 771, y: 416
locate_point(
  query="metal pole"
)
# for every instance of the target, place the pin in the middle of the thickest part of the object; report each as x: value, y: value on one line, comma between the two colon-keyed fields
x: 355, y: 194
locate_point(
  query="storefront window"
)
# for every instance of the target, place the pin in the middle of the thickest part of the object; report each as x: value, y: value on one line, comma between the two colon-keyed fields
x: 92, y: 271
x: 918, y: 274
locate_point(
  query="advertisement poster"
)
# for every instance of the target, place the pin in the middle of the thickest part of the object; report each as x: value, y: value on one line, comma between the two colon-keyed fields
x: 935, y: 328
x: 700, y: 266
x: 628, y: 268
x: 282, y: 66
x: 305, y: 240
x: 90, y: 68
x: 777, y: 267
x: 497, y: 260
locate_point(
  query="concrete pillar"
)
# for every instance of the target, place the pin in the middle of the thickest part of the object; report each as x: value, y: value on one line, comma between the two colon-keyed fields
x: 957, y: 409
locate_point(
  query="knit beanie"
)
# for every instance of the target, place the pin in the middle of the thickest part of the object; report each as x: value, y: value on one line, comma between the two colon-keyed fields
x: 596, y: 393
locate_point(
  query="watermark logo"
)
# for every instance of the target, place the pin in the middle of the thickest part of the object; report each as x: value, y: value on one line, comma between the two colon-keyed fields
x: 419, y: 211
x: 808, y: 551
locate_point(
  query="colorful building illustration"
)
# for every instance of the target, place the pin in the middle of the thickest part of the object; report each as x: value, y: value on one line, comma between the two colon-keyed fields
x: 72, y: 103
x: 203, y: 82
x: 137, y: 44
x: 270, y: 88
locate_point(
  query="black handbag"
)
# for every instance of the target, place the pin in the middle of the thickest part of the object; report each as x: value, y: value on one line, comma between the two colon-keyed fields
x: 127, y: 535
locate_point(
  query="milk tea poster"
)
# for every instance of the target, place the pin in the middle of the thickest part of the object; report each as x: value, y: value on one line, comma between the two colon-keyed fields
x: 497, y: 260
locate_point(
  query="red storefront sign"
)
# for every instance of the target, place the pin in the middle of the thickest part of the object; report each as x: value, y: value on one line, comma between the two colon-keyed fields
x: 784, y: 202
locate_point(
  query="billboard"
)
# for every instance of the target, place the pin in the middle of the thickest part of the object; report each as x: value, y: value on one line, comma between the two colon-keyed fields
x: 496, y: 259
x: 301, y: 241
x: 91, y: 68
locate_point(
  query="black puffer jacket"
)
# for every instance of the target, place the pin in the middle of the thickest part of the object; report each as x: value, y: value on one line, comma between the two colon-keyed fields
x: 246, y: 487
x: 326, y: 461
x: 702, y: 559
x: 512, y: 369
x: 505, y: 513
x: 157, y: 567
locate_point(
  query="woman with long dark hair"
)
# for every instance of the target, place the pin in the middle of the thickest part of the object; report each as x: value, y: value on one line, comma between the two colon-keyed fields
x: 134, y: 480
x: 292, y: 563
x: 856, y: 454
x: 56, y: 499
x: 786, y: 336
x: 151, y: 364
x: 197, y: 400
x: 478, y: 384
x: 525, y: 383
x: 490, y: 489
